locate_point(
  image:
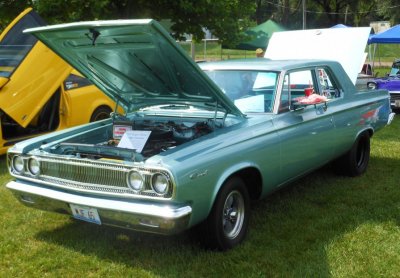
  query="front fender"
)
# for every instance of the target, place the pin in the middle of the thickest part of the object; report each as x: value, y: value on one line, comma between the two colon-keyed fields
x: 229, y: 172
x: 206, y: 188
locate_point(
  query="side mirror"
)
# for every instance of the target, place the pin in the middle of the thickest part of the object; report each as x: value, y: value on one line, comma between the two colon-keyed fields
x: 297, y: 107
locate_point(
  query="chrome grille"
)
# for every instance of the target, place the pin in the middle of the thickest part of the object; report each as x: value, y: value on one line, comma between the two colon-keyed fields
x: 84, y: 173
x: 102, y: 177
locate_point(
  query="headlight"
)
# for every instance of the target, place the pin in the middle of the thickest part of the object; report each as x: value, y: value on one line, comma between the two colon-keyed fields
x: 371, y: 85
x: 160, y: 183
x: 18, y: 164
x: 34, y: 166
x: 135, y: 180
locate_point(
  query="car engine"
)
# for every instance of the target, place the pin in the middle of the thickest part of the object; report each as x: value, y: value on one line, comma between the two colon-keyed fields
x: 165, y: 134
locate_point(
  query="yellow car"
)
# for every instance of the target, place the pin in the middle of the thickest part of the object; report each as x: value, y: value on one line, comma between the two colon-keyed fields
x: 40, y: 92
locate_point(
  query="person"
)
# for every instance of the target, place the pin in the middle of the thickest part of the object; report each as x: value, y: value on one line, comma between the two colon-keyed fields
x: 260, y: 53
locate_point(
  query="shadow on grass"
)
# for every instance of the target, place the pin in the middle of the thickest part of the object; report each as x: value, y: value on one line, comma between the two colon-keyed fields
x: 3, y: 164
x: 4, y: 175
x: 290, y: 231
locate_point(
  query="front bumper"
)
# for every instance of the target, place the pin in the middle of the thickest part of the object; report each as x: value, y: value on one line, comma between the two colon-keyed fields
x: 125, y: 213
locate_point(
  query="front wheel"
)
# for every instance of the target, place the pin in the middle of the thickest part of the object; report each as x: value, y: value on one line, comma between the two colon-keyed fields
x: 101, y: 113
x: 227, y: 224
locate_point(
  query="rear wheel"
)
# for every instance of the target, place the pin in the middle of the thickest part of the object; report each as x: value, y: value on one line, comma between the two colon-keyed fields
x: 227, y: 224
x: 101, y: 113
x: 355, y: 161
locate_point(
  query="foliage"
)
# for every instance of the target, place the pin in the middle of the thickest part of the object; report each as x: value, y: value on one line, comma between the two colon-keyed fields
x: 225, y: 18
x: 389, y: 10
x: 322, y: 226
x: 9, y: 9
x: 326, y: 13
x: 61, y: 11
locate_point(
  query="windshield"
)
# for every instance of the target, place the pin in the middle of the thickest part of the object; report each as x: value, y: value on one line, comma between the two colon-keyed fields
x: 395, y: 69
x: 15, y: 45
x: 251, y: 91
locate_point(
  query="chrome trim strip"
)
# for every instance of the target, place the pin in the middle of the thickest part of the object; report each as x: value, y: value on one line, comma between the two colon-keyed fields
x: 131, y: 214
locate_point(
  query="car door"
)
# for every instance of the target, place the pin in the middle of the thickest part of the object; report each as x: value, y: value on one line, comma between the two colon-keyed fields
x: 30, y: 73
x: 306, y: 133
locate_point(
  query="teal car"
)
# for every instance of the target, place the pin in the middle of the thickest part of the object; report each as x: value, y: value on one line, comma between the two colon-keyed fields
x: 195, y: 145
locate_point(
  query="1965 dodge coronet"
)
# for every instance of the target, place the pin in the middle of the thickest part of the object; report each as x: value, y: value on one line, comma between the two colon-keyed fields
x: 190, y: 151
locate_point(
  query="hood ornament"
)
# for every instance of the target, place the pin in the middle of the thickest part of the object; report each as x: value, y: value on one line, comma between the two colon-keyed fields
x: 94, y: 34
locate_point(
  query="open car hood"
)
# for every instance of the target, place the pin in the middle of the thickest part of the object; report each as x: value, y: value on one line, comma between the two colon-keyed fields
x: 135, y: 62
x: 344, y: 45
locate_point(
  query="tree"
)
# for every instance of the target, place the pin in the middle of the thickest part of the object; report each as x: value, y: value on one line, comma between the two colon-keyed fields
x: 264, y: 10
x: 9, y: 9
x: 389, y: 10
x: 225, y: 18
x: 61, y: 11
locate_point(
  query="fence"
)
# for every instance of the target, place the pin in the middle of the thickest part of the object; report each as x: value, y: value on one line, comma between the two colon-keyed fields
x: 211, y: 50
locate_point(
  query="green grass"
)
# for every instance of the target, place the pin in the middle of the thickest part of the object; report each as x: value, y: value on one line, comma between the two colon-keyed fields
x: 321, y: 226
x: 387, y: 52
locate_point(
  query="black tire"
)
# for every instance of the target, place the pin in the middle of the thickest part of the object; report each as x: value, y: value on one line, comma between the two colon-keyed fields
x: 101, y: 113
x: 355, y: 162
x: 227, y: 223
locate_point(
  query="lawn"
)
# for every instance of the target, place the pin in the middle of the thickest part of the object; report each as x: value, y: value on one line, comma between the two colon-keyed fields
x: 321, y: 226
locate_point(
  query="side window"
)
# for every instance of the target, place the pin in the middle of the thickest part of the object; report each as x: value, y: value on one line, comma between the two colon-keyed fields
x: 74, y: 81
x: 296, y: 84
x: 300, y: 84
x: 15, y: 45
x: 327, y: 87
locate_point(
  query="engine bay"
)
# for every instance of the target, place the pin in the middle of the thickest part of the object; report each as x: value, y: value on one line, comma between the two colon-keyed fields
x: 164, y: 133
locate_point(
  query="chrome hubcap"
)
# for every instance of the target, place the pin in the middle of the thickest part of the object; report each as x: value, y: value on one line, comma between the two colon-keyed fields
x: 233, y: 214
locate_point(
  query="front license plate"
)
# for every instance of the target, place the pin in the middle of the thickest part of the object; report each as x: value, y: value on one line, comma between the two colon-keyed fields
x: 85, y: 213
x: 397, y: 103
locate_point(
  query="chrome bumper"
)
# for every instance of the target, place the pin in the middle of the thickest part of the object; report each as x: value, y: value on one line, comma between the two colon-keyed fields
x: 125, y: 213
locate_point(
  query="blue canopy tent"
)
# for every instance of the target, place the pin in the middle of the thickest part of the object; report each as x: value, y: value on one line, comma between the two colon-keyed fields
x: 391, y: 35
x: 340, y: 26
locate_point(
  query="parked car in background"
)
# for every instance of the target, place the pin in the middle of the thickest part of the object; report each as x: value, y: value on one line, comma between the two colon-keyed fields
x: 366, y: 75
x: 189, y: 150
x: 40, y: 92
x: 391, y: 82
